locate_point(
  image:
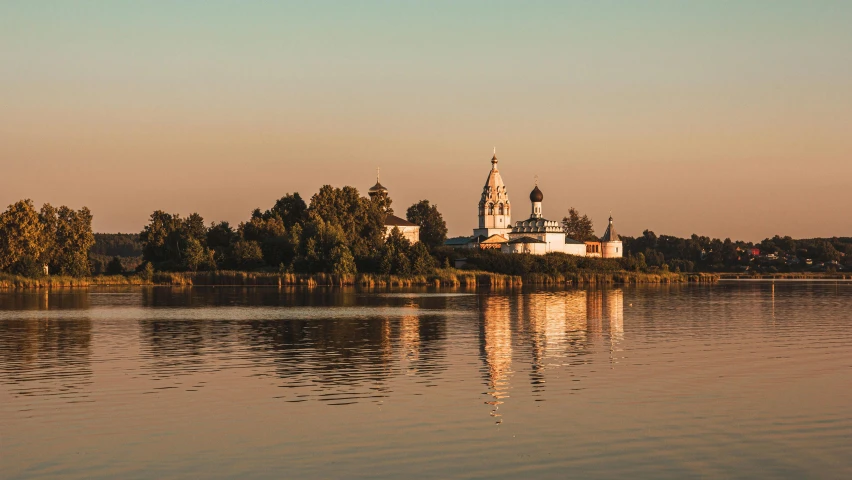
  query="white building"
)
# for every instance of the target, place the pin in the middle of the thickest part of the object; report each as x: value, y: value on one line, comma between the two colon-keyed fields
x: 535, y: 235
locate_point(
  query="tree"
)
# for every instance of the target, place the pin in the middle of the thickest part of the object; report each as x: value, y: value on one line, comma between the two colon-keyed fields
x: 433, y: 228
x: 114, y: 267
x: 193, y: 227
x: 169, y: 241
x: 422, y: 262
x: 394, y: 257
x: 220, y: 240
x: 360, y: 220
x: 161, y: 239
x: 197, y: 256
x: 21, y: 238
x: 577, y: 227
x: 324, y: 248
x: 248, y: 255
x: 74, y: 239
x: 291, y: 209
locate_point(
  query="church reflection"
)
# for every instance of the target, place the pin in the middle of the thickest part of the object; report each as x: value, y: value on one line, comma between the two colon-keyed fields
x: 496, y: 349
x: 368, y: 347
x: 558, y: 329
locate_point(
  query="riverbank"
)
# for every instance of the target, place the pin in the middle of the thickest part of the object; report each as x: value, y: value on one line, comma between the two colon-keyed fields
x: 787, y: 276
x: 447, y: 277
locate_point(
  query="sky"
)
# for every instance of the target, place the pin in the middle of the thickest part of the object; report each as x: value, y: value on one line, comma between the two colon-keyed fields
x: 721, y: 118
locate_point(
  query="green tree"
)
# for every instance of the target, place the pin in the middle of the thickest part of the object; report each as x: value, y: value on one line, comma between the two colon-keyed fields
x: 578, y: 227
x: 220, y: 240
x: 74, y: 239
x: 248, y: 255
x: 291, y: 209
x: 21, y: 238
x: 395, y: 254
x: 193, y: 227
x: 360, y: 220
x: 422, y: 262
x: 433, y: 228
x: 341, y: 260
x: 196, y: 256
x: 161, y: 239
x: 114, y: 267
x: 324, y: 247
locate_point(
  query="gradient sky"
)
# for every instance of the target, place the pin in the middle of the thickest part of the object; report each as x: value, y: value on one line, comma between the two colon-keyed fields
x: 728, y: 119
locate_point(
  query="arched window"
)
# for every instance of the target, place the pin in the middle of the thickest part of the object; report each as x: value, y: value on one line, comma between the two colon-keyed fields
x: 490, y: 209
x: 500, y: 209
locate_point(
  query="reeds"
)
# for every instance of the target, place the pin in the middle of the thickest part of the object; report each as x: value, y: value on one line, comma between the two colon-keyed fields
x: 445, y: 277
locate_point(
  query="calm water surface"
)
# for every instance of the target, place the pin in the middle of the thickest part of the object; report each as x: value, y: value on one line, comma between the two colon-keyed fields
x: 732, y: 380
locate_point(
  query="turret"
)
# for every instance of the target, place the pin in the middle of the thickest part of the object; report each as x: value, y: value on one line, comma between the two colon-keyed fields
x: 536, y: 198
x: 611, y: 246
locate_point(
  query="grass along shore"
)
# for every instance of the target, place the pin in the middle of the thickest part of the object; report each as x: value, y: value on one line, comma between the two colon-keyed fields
x: 787, y: 276
x: 447, y: 277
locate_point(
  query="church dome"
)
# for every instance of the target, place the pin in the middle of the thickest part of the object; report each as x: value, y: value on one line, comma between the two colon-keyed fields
x: 378, y: 188
x: 536, y: 195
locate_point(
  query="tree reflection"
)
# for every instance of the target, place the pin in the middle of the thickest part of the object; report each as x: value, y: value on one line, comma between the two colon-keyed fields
x: 44, y: 355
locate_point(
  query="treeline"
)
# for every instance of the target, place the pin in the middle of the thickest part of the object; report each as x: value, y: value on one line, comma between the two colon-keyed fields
x: 338, y: 232
x: 552, y: 264
x: 59, y: 238
x: 115, y: 253
x: 117, y: 245
x: 705, y: 254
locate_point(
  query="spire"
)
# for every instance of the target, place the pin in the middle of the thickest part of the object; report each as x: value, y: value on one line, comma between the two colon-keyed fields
x: 610, y: 235
x: 494, y: 159
x: 378, y: 188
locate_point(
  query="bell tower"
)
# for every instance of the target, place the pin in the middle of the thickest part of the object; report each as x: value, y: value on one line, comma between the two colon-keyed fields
x: 495, y: 211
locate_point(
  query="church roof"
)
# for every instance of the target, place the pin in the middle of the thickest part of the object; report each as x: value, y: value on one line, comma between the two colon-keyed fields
x: 394, y: 221
x: 610, y: 235
x: 378, y: 187
x: 494, y: 239
x: 494, y: 190
x: 525, y: 240
x: 458, y: 241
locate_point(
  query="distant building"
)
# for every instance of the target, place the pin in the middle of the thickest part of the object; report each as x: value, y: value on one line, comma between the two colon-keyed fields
x: 409, y: 230
x: 538, y: 236
x: 611, y: 243
x: 535, y: 235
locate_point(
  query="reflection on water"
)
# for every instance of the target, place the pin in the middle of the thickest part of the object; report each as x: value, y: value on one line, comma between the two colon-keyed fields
x: 340, y: 382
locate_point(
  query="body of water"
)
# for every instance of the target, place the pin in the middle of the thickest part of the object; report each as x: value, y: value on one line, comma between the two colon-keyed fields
x: 731, y: 380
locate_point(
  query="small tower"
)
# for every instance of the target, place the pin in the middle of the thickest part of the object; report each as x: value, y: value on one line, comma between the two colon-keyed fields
x: 536, y: 197
x: 611, y: 243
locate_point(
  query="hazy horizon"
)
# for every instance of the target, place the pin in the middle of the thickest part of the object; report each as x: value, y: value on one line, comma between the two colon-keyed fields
x: 721, y: 119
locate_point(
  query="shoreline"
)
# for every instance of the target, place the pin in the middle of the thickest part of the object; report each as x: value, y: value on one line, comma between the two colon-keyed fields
x: 441, y: 278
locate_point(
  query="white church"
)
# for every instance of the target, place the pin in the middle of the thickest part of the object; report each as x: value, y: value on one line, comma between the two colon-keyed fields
x: 536, y: 234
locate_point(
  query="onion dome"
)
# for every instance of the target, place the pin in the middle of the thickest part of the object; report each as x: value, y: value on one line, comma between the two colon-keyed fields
x: 378, y: 188
x: 536, y: 195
